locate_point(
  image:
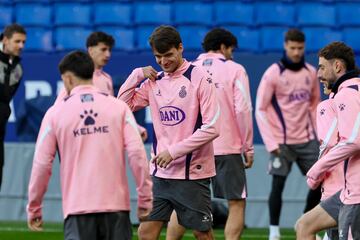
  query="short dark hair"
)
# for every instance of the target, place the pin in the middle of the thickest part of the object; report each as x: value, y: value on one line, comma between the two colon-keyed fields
x: 163, y: 38
x: 79, y: 63
x: 217, y: 36
x: 295, y: 35
x: 100, y: 37
x: 339, y: 50
x: 13, y: 28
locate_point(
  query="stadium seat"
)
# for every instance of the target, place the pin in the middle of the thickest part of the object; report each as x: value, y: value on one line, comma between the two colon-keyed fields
x: 68, y: 38
x: 39, y: 39
x: 6, y: 15
x: 124, y: 38
x: 348, y: 14
x: 32, y: 14
x: 351, y: 37
x: 192, y: 36
x: 67, y: 14
x: 142, y: 36
x: 316, y: 14
x: 233, y: 12
x: 152, y: 13
x: 193, y: 12
x: 248, y: 39
x: 314, y: 43
x: 272, y: 39
x: 275, y: 13
x: 112, y: 13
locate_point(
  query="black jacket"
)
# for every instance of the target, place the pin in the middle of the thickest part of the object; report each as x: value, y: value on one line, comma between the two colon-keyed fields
x: 10, y: 76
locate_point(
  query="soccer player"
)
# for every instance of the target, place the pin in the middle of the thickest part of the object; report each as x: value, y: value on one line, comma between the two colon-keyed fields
x: 285, y: 113
x: 313, y: 221
x: 337, y: 68
x: 12, y: 43
x: 99, y: 46
x: 235, y: 143
x: 91, y: 141
x: 185, y: 114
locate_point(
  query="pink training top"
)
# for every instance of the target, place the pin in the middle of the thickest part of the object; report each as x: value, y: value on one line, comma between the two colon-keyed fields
x: 91, y: 140
x: 347, y: 107
x: 328, y: 136
x: 185, y: 115
x: 286, y: 103
x: 232, y: 87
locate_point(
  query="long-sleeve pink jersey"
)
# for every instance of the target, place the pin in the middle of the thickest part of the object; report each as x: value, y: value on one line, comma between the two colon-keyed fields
x: 286, y: 103
x: 326, y: 122
x: 232, y: 87
x: 91, y: 132
x: 347, y: 107
x: 185, y: 114
x: 101, y: 80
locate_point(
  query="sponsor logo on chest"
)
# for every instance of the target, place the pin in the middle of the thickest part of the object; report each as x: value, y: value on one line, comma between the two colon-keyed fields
x: 299, y: 96
x: 171, y: 115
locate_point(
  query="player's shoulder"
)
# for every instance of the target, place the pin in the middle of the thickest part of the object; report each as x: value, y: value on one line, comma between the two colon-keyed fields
x: 310, y: 67
x: 324, y: 104
x: 273, y: 70
x: 235, y: 65
x: 106, y: 75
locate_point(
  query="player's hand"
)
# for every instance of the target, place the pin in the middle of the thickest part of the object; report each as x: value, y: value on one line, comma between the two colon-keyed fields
x: 35, y: 224
x: 143, y: 213
x: 144, y: 135
x: 162, y: 159
x: 150, y: 73
x: 276, y: 152
x: 313, y: 184
x: 248, y: 160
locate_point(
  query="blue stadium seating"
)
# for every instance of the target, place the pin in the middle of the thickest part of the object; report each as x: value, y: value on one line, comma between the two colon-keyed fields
x: 275, y: 13
x: 316, y: 14
x: 248, y: 39
x: 6, y: 15
x: 112, y: 13
x: 72, y: 14
x: 192, y: 36
x: 39, y: 39
x: 152, y: 13
x: 68, y: 38
x: 124, y: 37
x: 348, y: 14
x: 32, y: 14
x: 142, y: 37
x: 272, y: 39
x: 351, y: 37
x: 319, y: 37
x: 236, y: 13
x: 193, y: 12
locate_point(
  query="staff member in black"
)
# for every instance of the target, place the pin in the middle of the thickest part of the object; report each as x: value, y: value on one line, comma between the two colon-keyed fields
x: 12, y: 43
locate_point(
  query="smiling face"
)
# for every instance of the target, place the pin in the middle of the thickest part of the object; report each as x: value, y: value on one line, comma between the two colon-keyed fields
x: 170, y: 60
x: 327, y: 72
x: 294, y: 50
x: 15, y: 44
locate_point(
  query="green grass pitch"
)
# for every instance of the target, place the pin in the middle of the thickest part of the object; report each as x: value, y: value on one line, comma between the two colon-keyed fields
x: 54, y: 231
